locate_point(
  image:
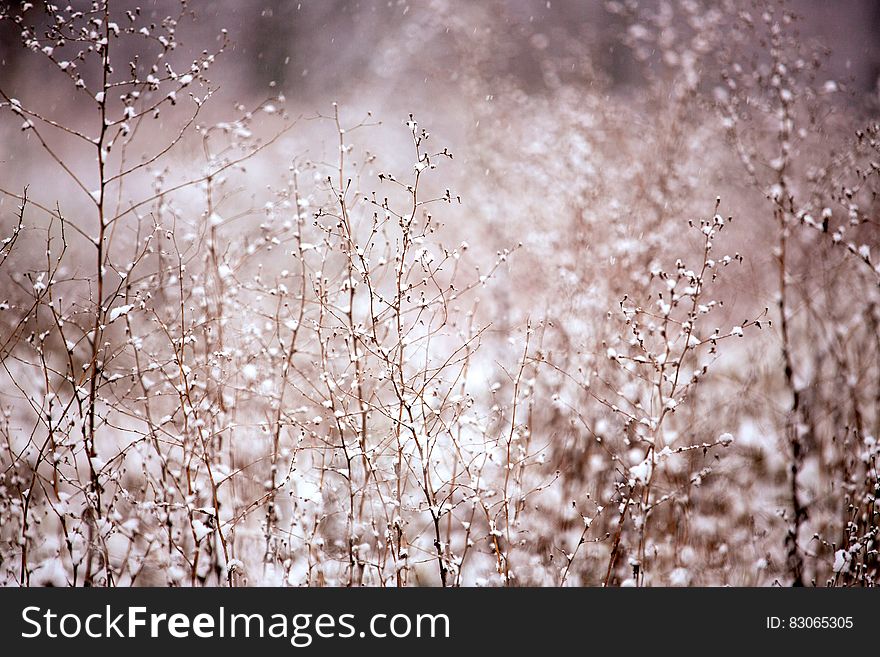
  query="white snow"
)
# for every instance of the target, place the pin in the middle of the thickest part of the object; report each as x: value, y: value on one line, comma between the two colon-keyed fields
x: 120, y: 311
x: 841, y: 561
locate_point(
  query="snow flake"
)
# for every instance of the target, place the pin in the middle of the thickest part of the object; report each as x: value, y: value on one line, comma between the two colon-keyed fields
x: 121, y: 311
x: 841, y: 561
x: 200, y: 529
x: 641, y: 472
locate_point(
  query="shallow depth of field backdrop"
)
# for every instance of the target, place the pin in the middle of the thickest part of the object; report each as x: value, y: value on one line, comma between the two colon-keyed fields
x: 439, y: 293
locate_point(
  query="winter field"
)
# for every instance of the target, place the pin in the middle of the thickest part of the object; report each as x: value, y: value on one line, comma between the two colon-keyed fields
x: 439, y: 294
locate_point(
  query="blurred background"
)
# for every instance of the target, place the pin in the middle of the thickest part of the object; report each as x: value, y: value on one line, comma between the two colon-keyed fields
x: 399, y: 57
x: 410, y: 54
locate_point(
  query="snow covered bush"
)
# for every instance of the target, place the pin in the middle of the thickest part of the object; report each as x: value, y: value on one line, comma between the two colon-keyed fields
x: 585, y: 336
